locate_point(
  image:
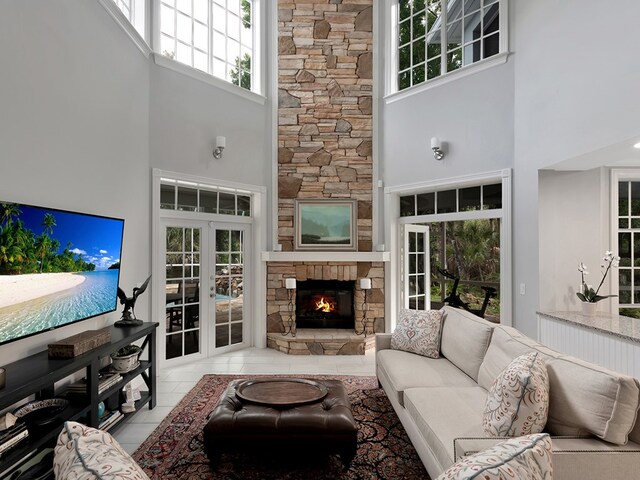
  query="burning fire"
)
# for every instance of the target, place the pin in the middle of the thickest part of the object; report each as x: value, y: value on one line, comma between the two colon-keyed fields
x: 325, y: 306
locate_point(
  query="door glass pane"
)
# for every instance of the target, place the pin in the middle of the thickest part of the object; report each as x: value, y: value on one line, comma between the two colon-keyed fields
x: 222, y: 336
x: 229, y: 287
x: 236, y: 333
x: 182, y: 291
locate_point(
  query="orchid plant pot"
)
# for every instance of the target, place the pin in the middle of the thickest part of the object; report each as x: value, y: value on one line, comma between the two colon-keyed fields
x: 589, y: 308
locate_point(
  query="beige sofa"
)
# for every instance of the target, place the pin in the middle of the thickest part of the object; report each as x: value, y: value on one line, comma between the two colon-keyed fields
x: 440, y: 401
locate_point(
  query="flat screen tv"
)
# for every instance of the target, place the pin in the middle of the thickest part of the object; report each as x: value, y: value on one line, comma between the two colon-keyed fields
x: 56, y: 268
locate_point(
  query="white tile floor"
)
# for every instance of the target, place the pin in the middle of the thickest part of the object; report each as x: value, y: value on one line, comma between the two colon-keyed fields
x: 175, y: 382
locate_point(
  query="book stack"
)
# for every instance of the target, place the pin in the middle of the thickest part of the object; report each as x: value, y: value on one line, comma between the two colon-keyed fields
x: 107, y: 380
x: 109, y: 419
x: 13, y: 436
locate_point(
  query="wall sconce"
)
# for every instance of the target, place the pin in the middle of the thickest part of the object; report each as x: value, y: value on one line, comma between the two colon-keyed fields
x: 221, y: 142
x: 436, y: 146
x: 365, y: 286
x: 290, y: 326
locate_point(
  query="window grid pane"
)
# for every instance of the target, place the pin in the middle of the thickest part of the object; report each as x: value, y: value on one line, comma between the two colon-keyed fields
x: 471, y: 29
x: 215, y: 36
x: 203, y: 198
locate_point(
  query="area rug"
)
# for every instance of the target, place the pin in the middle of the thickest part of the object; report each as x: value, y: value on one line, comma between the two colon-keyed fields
x: 175, y: 448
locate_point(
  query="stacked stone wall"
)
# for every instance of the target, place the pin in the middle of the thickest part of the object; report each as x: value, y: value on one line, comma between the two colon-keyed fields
x: 325, y: 51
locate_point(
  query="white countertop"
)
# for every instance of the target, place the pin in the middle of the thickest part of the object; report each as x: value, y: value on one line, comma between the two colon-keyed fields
x: 617, y: 325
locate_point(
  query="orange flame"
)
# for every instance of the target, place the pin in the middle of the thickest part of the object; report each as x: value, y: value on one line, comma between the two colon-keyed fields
x: 324, y: 306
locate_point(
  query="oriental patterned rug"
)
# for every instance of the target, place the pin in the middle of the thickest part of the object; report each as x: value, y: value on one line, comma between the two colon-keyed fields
x: 175, y: 449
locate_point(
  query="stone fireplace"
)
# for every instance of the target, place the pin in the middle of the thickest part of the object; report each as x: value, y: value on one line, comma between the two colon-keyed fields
x: 325, y: 129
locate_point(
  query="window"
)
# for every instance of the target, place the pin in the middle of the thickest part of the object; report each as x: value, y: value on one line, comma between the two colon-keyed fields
x: 195, y: 197
x: 134, y: 11
x: 480, y: 197
x: 214, y: 36
x: 629, y: 247
x: 433, y: 40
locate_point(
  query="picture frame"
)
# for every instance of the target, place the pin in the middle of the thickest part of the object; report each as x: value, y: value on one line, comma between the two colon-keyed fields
x: 326, y: 224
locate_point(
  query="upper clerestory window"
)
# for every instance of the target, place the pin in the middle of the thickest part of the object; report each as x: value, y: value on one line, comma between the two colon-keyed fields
x: 135, y: 12
x: 436, y: 37
x: 214, y: 36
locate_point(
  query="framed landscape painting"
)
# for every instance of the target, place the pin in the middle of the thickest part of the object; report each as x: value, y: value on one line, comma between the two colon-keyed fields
x: 326, y: 224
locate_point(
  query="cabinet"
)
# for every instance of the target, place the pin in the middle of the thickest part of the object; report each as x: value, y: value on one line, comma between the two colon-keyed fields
x: 37, y: 375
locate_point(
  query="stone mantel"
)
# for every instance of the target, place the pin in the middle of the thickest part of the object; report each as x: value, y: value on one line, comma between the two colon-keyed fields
x: 325, y: 256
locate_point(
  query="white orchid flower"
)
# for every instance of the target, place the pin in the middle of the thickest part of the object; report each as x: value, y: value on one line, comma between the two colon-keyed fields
x: 582, y: 268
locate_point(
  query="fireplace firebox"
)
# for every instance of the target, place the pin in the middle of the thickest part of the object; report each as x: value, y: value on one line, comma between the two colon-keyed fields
x: 325, y: 304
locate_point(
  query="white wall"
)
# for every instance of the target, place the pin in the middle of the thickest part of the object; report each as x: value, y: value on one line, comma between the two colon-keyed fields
x: 576, y: 90
x: 74, y: 128
x: 573, y: 212
x: 474, y: 115
x: 186, y: 115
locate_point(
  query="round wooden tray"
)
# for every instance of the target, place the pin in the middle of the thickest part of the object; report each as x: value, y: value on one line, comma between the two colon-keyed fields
x: 281, y: 391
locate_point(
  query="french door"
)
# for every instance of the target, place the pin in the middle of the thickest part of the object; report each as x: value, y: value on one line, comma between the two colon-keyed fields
x: 182, y: 294
x: 415, y: 267
x: 205, y: 287
x: 228, y: 285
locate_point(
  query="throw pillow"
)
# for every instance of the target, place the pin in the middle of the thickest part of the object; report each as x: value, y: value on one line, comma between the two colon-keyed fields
x: 524, y: 458
x: 518, y: 400
x: 85, y: 453
x: 418, y: 331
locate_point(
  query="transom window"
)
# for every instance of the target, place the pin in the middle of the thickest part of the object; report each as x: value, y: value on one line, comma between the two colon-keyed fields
x: 479, y: 197
x: 196, y: 197
x: 215, y: 36
x: 433, y: 40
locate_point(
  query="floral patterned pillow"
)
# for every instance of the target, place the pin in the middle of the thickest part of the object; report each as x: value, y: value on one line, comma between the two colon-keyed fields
x: 524, y: 458
x: 518, y: 400
x: 85, y: 453
x: 418, y: 331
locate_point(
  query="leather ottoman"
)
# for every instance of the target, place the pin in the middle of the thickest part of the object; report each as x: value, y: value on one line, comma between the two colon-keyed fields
x: 324, y: 427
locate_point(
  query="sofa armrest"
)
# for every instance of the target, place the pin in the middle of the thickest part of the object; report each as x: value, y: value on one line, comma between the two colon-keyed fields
x: 383, y: 341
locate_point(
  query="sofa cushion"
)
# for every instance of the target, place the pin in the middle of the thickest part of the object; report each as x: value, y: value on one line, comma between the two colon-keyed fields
x: 399, y: 370
x: 418, y: 331
x: 518, y: 400
x: 87, y: 453
x: 506, y: 344
x: 589, y: 399
x: 583, y: 398
x: 465, y: 338
x: 524, y: 458
x: 443, y: 414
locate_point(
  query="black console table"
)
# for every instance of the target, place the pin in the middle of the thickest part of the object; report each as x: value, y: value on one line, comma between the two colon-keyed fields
x: 37, y: 375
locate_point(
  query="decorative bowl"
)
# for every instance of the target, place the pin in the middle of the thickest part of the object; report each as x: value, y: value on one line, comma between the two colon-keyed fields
x: 41, y: 412
x: 125, y: 364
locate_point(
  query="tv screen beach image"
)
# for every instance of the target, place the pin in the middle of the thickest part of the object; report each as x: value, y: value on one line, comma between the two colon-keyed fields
x: 56, y: 268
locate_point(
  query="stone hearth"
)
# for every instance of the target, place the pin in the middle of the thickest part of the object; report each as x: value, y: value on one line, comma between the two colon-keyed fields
x: 312, y: 341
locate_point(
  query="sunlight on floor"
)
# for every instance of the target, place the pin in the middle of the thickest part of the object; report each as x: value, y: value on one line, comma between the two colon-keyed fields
x: 175, y: 382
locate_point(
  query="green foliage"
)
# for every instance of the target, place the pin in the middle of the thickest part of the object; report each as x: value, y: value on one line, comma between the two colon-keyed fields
x: 22, y: 251
x: 246, y: 13
x: 115, y: 266
x: 469, y: 249
x: 126, y: 351
x: 241, y: 73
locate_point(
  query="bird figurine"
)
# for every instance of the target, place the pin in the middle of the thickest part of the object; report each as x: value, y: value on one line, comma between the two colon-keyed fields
x: 128, y: 312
